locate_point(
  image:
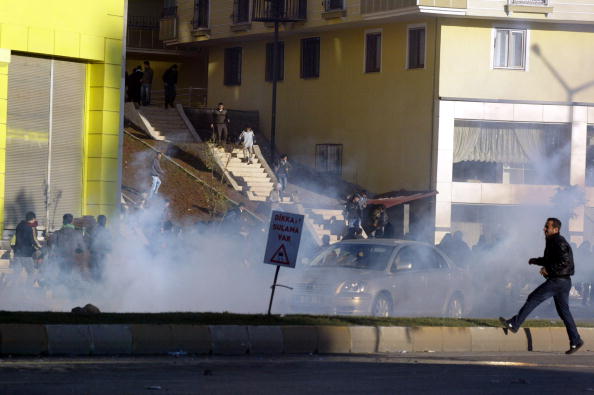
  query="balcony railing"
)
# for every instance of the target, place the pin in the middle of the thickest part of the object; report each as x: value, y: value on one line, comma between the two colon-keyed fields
x: 187, y: 97
x: 279, y: 10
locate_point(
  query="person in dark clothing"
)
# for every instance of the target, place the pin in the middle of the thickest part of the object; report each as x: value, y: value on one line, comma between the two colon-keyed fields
x: 67, y: 246
x: 170, y: 80
x: 556, y: 266
x: 134, y: 83
x: 354, y: 234
x: 219, y: 124
x: 282, y: 168
x: 26, y: 243
x: 156, y: 174
x: 379, y: 219
x: 353, y: 211
x: 146, y: 84
x: 100, y: 246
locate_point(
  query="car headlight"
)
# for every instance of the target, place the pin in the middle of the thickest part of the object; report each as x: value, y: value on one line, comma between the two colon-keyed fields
x: 353, y: 287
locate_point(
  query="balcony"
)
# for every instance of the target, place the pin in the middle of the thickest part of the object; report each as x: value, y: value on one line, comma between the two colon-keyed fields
x: 168, y: 24
x: 279, y: 10
x: 529, y: 6
x: 377, y: 6
x: 143, y: 33
x: 333, y: 9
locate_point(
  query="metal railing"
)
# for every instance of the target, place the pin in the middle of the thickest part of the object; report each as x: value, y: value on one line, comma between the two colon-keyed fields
x: 187, y: 97
x: 168, y: 28
x: 143, y: 38
x: 372, y: 6
x: 143, y: 22
x: 281, y: 10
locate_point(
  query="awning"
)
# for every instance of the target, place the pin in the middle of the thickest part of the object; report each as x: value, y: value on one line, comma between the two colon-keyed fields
x: 396, y: 200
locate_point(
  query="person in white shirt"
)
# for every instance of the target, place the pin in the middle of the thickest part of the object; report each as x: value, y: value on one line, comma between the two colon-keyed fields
x: 247, y: 138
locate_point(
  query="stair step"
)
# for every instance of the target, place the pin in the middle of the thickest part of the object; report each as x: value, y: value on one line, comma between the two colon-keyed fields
x: 4, y: 263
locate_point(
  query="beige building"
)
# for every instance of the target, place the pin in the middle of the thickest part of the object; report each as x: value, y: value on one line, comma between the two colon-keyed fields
x: 490, y: 102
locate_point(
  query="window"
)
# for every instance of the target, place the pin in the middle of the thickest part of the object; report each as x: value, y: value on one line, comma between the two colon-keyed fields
x: 329, y: 158
x: 333, y: 5
x: 416, y: 48
x: 280, y: 66
x: 310, y: 57
x: 233, y: 66
x: 241, y: 11
x: 509, y: 49
x: 512, y: 153
x: 201, y: 11
x: 373, y: 52
x: 419, y: 258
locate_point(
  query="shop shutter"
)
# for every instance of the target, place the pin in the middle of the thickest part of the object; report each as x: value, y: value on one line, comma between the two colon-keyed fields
x: 65, y: 181
x: 27, y: 139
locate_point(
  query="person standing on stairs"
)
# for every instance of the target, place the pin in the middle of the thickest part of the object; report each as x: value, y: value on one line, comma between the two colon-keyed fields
x: 282, y: 169
x: 156, y: 174
x: 247, y: 138
x: 134, y: 81
x: 220, y: 120
x: 147, y: 82
x: 170, y: 80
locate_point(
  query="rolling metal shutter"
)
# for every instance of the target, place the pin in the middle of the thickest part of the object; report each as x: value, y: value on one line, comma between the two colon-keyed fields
x: 65, y: 176
x: 44, y: 93
x: 27, y: 139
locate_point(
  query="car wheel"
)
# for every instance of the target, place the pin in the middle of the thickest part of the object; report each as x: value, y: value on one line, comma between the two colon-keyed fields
x: 455, y: 307
x: 382, y: 306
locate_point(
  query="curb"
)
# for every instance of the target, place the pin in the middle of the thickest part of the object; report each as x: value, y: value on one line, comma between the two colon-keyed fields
x: 154, y: 339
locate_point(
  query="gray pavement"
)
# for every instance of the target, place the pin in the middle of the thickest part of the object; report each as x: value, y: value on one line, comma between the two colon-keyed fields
x: 439, y: 373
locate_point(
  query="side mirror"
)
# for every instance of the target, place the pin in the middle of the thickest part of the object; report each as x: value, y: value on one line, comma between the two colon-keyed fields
x: 403, y: 266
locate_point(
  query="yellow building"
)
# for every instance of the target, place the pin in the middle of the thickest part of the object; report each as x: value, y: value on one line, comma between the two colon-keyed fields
x: 60, y: 78
x: 411, y: 94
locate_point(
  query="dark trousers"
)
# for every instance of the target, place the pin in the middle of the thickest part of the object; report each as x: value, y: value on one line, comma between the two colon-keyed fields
x: 169, y: 95
x: 559, y: 289
x: 221, y: 132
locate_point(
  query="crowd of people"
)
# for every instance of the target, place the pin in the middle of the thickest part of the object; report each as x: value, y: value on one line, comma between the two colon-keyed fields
x: 70, y: 249
x: 140, y: 81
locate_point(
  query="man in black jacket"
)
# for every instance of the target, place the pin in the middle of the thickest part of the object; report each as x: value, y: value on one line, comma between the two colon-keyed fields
x: 557, y: 267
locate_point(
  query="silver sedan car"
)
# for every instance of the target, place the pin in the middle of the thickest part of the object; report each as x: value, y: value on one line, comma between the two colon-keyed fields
x: 383, y: 277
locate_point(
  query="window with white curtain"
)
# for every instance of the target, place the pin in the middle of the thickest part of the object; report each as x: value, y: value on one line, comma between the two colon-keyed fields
x: 509, y: 49
x: 511, y: 153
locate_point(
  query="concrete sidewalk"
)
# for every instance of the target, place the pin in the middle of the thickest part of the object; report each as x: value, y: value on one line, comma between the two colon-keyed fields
x: 150, y: 339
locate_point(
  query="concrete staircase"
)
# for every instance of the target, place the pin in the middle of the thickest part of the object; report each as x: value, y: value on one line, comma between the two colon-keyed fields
x: 329, y: 222
x: 166, y: 124
x: 253, y: 179
x: 5, y: 257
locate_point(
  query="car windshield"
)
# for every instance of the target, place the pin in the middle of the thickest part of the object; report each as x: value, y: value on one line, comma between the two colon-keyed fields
x: 359, y: 256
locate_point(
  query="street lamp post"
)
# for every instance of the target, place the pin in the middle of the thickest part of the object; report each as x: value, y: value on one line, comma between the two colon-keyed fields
x: 277, y: 11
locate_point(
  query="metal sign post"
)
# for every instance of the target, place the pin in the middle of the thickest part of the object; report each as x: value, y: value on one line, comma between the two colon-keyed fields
x: 284, y: 236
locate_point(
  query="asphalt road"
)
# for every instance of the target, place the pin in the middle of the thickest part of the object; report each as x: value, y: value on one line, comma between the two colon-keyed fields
x: 439, y: 373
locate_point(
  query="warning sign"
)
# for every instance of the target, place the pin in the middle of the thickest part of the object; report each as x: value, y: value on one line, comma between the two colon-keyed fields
x: 284, y: 237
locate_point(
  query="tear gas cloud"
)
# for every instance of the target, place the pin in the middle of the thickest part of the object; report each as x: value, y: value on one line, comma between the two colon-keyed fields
x: 211, y: 267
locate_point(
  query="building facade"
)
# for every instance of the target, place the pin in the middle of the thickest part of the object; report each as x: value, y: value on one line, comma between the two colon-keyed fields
x: 60, y: 79
x: 491, y: 103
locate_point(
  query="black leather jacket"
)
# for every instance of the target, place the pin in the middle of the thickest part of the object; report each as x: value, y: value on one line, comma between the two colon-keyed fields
x: 558, y: 257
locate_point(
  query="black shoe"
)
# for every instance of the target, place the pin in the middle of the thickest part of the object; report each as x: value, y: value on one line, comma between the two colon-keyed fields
x: 574, y: 347
x: 507, y: 325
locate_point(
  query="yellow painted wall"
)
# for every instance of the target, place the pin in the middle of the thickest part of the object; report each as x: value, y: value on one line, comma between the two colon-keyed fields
x: 383, y: 119
x: 88, y: 31
x: 562, y: 72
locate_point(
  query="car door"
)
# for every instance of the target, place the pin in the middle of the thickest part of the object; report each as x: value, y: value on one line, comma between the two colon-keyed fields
x: 437, y: 277
x: 409, y: 283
